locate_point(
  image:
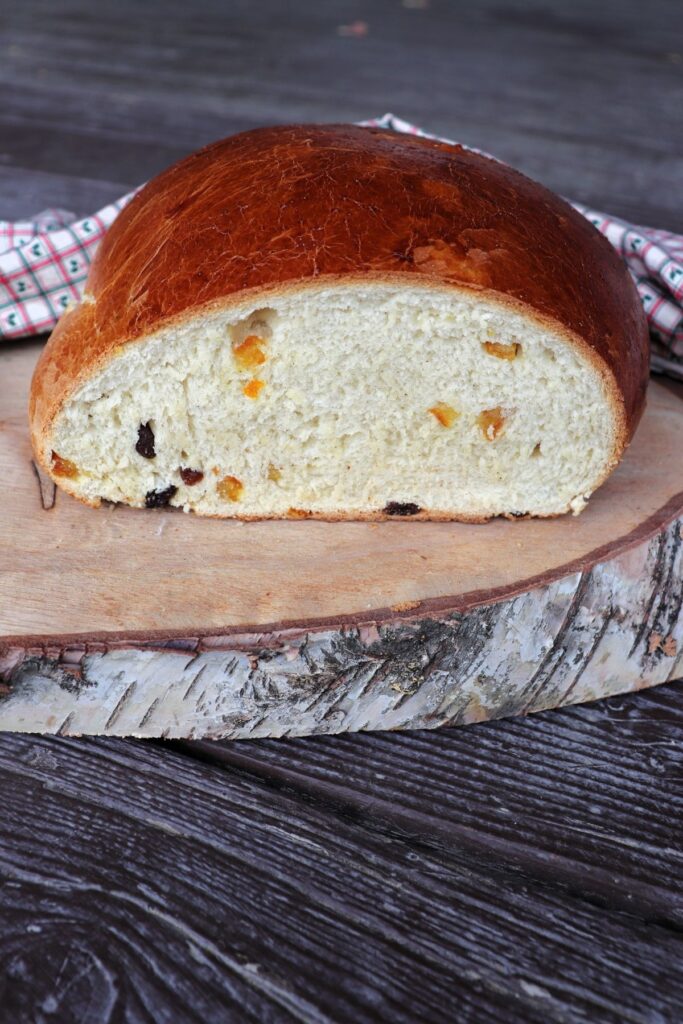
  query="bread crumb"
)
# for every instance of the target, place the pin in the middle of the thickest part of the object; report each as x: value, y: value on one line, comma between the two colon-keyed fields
x: 405, y: 606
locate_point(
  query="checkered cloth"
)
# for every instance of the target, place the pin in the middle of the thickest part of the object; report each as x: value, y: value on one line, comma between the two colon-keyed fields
x: 44, y: 263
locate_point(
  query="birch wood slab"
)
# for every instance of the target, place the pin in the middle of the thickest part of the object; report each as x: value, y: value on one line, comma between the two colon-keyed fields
x: 150, y: 623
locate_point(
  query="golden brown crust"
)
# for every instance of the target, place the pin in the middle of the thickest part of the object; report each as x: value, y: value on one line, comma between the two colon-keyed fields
x: 280, y: 208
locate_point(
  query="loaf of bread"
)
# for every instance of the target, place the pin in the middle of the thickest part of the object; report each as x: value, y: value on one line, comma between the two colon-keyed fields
x: 344, y: 323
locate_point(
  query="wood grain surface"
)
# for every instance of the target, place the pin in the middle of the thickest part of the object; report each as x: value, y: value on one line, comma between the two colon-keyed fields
x: 515, y: 790
x: 204, y: 892
x: 613, y: 628
x: 517, y: 871
x: 583, y: 96
x: 119, y: 573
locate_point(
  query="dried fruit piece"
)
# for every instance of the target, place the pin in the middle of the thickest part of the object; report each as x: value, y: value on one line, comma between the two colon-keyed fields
x: 445, y: 414
x: 191, y: 476
x: 274, y: 473
x: 401, y: 508
x: 501, y: 350
x: 145, y: 442
x: 491, y: 422
x: 230, y: 488
x: 250, y: 352
x: 159, y: 499
x: 252, y: 388
x: 63, y: 467
x: 298, y: 513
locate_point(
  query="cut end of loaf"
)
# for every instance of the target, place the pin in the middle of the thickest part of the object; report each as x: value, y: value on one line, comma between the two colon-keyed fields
x: 366, y: 400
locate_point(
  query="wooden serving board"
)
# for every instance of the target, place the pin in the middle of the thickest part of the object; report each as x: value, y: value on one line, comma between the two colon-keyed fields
x: 156, y: 623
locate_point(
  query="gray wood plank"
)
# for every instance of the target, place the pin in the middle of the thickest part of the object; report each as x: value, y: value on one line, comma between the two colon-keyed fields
x: 586, y: 97
x: 138, y: 885
x: 30, y: 192
x: 590, y: 797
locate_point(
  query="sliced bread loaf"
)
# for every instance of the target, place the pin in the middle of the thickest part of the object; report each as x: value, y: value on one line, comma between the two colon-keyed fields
x: 341, y: 322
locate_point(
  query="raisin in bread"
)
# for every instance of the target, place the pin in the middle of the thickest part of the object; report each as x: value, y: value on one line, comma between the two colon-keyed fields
x: 344, y: 323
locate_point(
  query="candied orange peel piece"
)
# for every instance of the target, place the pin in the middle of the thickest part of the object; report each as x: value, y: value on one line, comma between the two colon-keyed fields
x: 253, y: 388
x: 63, y: 467
x: 249, y: 353
x: 501, y: 350
x: 444, y: 413
x: 230, y: 488
x: 492, y: 422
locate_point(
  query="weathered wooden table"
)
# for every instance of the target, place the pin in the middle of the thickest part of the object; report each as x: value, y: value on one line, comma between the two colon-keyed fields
x: 528, y: 870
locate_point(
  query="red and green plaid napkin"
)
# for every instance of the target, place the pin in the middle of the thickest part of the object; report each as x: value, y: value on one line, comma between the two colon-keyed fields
x: 44, y: 263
